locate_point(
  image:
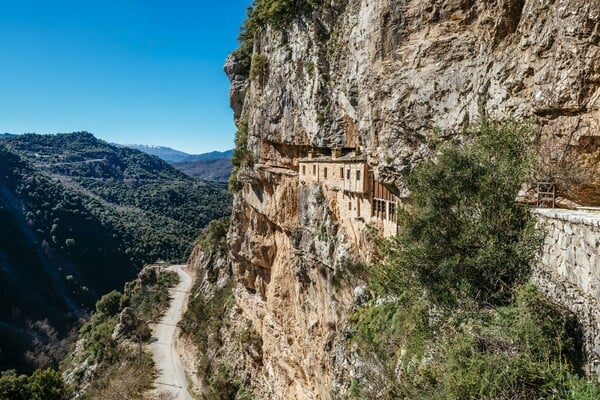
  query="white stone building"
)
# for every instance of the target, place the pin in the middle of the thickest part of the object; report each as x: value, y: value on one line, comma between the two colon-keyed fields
x: 360, y: 199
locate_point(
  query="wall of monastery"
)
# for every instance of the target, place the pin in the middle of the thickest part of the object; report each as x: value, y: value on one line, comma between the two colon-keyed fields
x: 356, y: 198
x: 568, y: 271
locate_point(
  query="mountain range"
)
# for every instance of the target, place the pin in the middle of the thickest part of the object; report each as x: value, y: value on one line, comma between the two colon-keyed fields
x: 176, y: 156
x: 213, y: 166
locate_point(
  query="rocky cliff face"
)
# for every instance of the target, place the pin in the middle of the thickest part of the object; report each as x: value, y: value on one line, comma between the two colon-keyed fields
x: 392, y: 78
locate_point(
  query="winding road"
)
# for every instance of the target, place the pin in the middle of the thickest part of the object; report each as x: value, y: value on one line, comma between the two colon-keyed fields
x: 171, y: 377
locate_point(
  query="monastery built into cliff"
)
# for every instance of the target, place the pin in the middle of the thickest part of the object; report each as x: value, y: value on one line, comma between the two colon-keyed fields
x: 360, y: 198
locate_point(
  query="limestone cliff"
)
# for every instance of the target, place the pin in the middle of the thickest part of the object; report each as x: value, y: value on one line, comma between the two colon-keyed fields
x: 392, y: 79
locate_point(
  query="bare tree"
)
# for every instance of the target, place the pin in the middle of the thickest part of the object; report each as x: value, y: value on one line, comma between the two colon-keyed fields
x: 560, y: 163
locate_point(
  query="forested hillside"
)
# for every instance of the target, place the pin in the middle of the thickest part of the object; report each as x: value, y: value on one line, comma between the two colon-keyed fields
x: 215, y: 170
x: 78, y: 218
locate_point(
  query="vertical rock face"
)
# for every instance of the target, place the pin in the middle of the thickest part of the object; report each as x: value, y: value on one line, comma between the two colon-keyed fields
x: 392, y: 78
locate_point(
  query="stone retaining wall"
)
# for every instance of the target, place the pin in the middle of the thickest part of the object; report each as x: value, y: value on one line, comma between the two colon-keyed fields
x: 568, y: 271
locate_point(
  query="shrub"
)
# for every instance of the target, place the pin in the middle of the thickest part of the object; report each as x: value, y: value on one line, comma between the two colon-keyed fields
x: 109, y: 304
x: 48, y: 384
x: 13, y: 387
x: 277, y: 13
x: 214, y: 237
x: 258, y: 68
x: 458, y: 320
x: 465, y: 234
x: 241, y: 155
x: 43, y: 384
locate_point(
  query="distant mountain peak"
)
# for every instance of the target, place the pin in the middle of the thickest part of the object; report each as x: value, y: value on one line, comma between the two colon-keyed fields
x: 172, y: 156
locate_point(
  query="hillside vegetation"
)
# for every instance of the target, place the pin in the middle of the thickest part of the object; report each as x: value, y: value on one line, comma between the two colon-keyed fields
x: 456, y: 317
x: 79, y: 218
x: 215, y: 170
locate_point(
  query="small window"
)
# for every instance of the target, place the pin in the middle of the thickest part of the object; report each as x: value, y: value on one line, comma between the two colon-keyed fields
x: 314, y: 169
x: 304, y: 170
x: 324, y: 172
x: 342, y: 173
x: 358, y: 175
x: 350, y: 205
x: 348, y: 174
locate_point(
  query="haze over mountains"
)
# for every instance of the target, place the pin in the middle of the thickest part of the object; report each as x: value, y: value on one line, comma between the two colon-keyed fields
x: 175, y: 156
x: 213, y: 166
x: 79, y: 218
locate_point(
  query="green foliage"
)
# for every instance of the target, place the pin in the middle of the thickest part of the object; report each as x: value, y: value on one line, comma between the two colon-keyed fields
x: 242, y: 156
x: 14, y: 387
x: 109, y: 304
x: 48, y: 385
x: 465, y: 234
x: 44, y: 384
x: 233, y: 183
x: 79, y: 218
x: 222, y: 385
x: 526, y: 349
x: 99, y: 342
x: 214, y: 237
x: 204, y: 317
x: 577, y: 388
x: 131, y: 204
x: 258, y: 68
x: 277, y: 13
x: 150, y: 301
x: 202, y: 322
x: 458, y: 320
x: 144, y: 301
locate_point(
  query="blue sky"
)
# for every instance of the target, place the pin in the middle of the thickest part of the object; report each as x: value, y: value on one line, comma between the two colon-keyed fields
x: 129, y: 71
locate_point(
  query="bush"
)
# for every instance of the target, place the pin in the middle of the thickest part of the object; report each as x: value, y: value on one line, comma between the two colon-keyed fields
x: 13, y: 387
x: 258, y: 68
x: 465, y: 234
x: 214, y: 237
x: 110, y: 304
x: 46, y: 384
x: 277, y: 13
x: 459, y: 320
x: 241, y: 155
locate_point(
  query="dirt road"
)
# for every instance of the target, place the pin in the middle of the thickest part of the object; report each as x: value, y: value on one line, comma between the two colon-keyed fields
x: 171, y: 377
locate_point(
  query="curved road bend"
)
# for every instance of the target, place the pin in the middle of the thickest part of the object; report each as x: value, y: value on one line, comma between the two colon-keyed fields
x: 171, y: 375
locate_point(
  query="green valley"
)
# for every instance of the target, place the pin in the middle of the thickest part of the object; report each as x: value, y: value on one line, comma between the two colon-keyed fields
x: 79, y: 218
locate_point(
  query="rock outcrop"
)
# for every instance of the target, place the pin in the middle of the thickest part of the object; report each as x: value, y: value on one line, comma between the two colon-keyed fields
x: 393, y: 79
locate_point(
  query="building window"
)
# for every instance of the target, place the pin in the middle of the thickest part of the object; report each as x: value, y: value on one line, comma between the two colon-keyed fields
x: 314, y: 169
x: 350, y: 205
x: 324, y: 172
x: 358, y: 175
x: 348, y: 174
x: 393, y: 216
x: 379, y: 207
x: 304, y: 170
x: 358, y: 207
x: 342, y: 173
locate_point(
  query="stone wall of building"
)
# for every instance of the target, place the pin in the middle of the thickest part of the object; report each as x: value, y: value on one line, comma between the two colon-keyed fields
x: 568, y: 271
